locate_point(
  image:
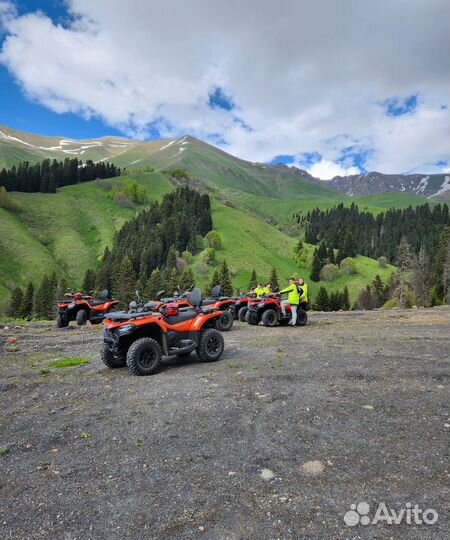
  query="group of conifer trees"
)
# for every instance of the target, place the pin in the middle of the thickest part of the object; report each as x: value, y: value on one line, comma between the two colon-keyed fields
x: 148, y: 250
x: 48, y: 175
x: 348, y: 228
x: 37, y: 302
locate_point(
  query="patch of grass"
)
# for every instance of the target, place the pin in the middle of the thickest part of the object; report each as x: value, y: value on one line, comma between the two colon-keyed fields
x: 68, y: 362
x: 3, y: 451
x: 44, y: 371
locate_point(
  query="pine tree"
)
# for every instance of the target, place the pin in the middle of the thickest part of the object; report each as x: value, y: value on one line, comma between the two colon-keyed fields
x: 421, y: 278
x: 365, y: 299
x: 339, y: 256
x: 349, y: 248
x: 88, y: 281
x: 125, y: 282
x: 187, y: 280
x: 15, y: 302
x: 173, y: 283
x: 171, y: 261
x: 215, y: 280
x: 380, y: 292
x: 44, y: 299
x: 322, y: 300
x: 154, y: 284
x: 331, y: 257
x: 335, y: 301
x: 322, y: 253
x: 225, y: 279
x: 274, y: 279
x: 345, y: 302
x: 103, y: 276
x: 27, y: 306
x: 298, y: 248
x: 405, y: 263
x: 253, y: 280
x: 316, y: 267
x: 440, y: 264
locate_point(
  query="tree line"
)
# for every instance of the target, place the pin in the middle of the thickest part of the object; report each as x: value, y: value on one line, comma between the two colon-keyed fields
x: 347, y: 229
x: 48, y: 175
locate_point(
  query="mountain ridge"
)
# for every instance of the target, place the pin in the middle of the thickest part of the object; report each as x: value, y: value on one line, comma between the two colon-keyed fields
x: 16, y: 146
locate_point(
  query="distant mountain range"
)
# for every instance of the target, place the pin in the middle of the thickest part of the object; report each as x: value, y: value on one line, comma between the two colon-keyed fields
x: 16, y: 146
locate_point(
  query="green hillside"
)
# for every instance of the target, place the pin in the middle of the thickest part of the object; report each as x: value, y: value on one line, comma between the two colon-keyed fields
x: 252, y: 205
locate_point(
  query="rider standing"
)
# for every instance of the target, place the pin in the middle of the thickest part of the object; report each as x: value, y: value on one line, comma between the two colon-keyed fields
x: 293, y: 300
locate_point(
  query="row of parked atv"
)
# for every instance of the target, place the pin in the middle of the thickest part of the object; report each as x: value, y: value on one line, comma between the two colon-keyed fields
x: 139, y: 337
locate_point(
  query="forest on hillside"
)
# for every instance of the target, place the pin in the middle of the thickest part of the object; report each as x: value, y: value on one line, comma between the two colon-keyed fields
x: 48, y: 175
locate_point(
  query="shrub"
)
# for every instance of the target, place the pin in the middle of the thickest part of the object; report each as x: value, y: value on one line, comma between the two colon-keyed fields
x: 382, y: 262
x: 201, y: 268
x: 348, y: 266
x: 187, y: 256
x: 214, y: 240
x: 7, y: 202
x: 208, y: 256
x: 329, y: 272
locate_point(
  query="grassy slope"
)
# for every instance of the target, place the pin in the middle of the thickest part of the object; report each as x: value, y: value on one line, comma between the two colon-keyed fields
x: 66, y: 231
x: 249, y: 242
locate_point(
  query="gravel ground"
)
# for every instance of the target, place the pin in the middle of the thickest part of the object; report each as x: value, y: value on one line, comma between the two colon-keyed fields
x: 276, y: 440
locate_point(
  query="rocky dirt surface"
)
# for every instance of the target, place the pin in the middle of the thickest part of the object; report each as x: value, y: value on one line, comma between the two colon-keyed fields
x: 276, y: 440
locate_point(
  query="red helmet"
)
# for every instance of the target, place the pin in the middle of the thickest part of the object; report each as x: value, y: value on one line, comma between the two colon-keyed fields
x: 77, y: 296
x: 172, y: 309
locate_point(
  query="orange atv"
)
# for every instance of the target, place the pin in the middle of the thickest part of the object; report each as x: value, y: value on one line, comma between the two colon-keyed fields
x: 139, y: 340
x: 225, y: 304
x: 81, y: 308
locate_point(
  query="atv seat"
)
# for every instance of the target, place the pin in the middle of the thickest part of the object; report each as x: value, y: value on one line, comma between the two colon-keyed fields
x: 97, y: 302
x: 181, y: 317
x: 209, y: 301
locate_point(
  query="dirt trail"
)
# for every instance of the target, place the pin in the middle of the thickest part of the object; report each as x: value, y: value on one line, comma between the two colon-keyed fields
x: 276, y: 440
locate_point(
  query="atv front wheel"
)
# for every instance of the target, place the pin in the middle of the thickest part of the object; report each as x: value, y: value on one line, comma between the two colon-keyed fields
x: 251, y: 318
x: 225, y: 322
x: 302, y: 317
x: 269, y: 318
x: 210, y: 347
x: 242, y: 313
x: 144, y: 356
x: 110, y: 360
x: 81, y: 317
x: 60, y: 322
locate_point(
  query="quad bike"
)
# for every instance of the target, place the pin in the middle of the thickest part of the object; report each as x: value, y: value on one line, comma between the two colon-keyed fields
x: 83, y: 308
x: 241, y: 306
x: 139, y: 340
x: 268, y: 310
x: 222, y: 303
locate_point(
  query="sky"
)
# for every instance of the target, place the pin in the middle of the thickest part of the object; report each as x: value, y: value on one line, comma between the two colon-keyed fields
x: 335, y: 87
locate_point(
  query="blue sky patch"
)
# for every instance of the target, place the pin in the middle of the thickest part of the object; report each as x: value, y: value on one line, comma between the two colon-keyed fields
x: 282, y: 159
x: 219, y: 100
x: 397, y: 106
x: 355, y: 156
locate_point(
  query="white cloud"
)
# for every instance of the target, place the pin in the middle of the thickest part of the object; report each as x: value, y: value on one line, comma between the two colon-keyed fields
x: 306, y: 76
x: 326, y: 170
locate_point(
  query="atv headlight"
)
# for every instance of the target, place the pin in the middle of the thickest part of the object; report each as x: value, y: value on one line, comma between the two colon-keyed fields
x: 125, y: 329
x: 70, y: 306
x: 260, y: 304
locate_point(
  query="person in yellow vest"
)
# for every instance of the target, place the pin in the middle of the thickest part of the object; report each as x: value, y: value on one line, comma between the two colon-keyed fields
x: 259, y: 290
x: 304, y: 295
x: 293, y: 300
x: 267, y: 290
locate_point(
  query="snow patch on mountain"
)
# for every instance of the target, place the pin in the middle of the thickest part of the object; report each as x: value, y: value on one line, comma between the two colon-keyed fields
x: 445, y: 186
x: 422, y: 186
x: 167, y: 145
